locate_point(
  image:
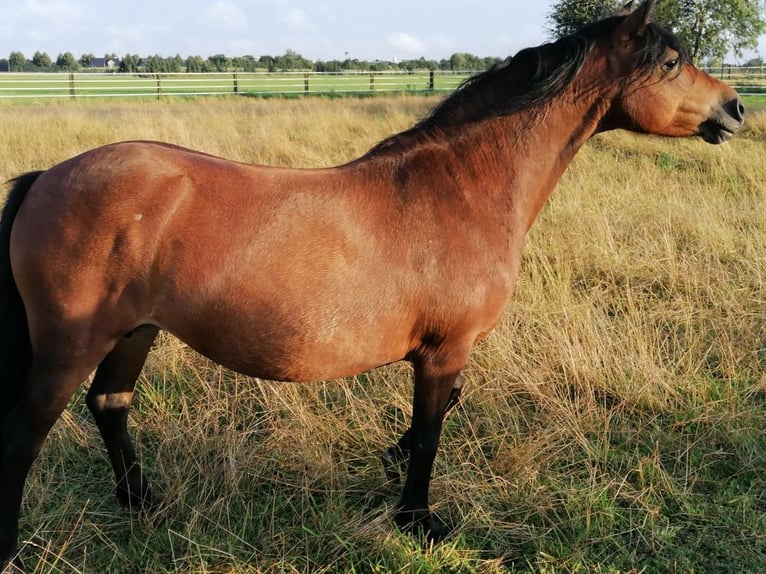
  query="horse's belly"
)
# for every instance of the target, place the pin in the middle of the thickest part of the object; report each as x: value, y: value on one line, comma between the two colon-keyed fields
x: 297, y: 346
x: 303, y: 364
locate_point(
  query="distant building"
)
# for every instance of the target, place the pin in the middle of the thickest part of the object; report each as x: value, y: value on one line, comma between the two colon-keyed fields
x: 103, y: 63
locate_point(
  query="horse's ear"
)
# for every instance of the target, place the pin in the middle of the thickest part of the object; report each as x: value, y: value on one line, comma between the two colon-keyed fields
x: 637, y: 21
x: 625, y: 10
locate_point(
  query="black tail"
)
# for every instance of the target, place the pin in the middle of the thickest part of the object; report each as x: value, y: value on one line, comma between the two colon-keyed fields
x: 15, y: 347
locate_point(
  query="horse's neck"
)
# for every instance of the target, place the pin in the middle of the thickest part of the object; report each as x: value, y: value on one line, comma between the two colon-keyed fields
x: 505, y: 167
x: 529, y: 151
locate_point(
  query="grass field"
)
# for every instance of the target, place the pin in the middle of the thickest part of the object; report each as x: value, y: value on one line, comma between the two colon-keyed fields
x: 613, y: 423
x: 26, y: 86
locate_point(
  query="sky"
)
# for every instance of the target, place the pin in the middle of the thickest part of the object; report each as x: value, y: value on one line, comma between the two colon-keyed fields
x: 316, y: 29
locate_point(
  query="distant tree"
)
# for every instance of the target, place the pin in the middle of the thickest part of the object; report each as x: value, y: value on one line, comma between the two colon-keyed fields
x: 129, y: 63
x: 419, y: 64
x: 86, y: 60
x: 267, y: 62
x: 17, y: 61
x: 41, y: 60
x: 248, y: 63
x: 66, y: 61
x: 347, y: 64
x: 220, y: 62
x: 176, y: 63
x: 327, y: 65
x: 381, y: 66
x: 465, y: 61
x: 568, y: 16
x: 284, y: 62
x: 457, y: 61
x: 289, y: 60
x: 244, y: 63
x: 156, y: 64
x: 710, y: 29
x: 196, y: 64
x: 292, y: 60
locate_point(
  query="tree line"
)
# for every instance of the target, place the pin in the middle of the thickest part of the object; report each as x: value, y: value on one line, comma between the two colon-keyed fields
x: 289, y: 61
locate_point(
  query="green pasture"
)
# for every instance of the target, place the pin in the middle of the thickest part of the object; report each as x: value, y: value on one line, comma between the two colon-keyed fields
x: 44, y: 86
x: 758, y: 102
x: 74, y: 86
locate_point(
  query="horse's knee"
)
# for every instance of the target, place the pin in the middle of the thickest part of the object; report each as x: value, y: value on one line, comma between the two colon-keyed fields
x: 108, y: 408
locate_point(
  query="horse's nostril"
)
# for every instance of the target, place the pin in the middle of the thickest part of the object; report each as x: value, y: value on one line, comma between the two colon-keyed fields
x: 736, y: 109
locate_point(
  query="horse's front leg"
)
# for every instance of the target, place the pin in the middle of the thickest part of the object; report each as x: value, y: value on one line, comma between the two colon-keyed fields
x: 395, y: 457
x: 436, y: 374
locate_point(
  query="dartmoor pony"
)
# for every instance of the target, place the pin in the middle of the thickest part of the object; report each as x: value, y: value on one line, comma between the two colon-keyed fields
x: 410, y: 252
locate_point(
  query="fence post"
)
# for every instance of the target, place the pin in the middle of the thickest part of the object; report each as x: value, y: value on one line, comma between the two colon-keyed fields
x: 372, y: 81
x: 431, y: 80
x: 305, y: 82
x: 236, y: 83
x: 71, y: 85
x: 159, y: 87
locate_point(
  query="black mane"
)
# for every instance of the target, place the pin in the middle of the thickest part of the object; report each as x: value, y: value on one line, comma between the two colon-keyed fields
x: 533, y: 77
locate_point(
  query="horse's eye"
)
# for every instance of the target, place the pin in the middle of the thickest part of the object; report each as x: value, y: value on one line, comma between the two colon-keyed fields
x: 670, y: 65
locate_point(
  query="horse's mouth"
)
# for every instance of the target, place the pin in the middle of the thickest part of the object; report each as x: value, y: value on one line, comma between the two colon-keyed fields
x: 727, y: 120
x: 714, y: 132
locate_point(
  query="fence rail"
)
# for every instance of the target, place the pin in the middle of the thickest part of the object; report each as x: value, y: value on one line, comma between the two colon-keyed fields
x: 110, y: 85
x: 747, y: 81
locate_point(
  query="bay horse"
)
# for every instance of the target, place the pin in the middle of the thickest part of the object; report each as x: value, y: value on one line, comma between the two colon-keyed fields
x: 409, y: 252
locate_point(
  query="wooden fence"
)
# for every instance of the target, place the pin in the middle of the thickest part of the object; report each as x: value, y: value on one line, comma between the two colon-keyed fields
x: 113, y: 84
x: 747, y: 81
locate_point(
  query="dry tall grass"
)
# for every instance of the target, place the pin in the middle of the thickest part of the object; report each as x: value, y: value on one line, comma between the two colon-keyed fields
x: 612, y: 423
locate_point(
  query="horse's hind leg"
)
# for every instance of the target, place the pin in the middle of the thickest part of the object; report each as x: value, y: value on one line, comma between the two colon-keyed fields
x: 109, y: 399
x: 50, y: 384
x: 394, y: 457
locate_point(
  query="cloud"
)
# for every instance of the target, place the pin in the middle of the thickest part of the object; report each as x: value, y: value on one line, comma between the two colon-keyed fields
x: 54, y: 10
x: 406, y: 43
x: 225, y: 15
x: 129, y: 32
x: 296, y: 19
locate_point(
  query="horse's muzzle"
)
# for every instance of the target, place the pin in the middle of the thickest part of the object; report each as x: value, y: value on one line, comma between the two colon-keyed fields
x: 726, y: 121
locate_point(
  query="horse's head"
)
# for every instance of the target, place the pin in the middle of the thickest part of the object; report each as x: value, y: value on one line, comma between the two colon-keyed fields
x: 661, y: 91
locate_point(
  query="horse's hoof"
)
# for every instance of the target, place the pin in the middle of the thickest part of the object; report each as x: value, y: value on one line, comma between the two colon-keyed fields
x: 422, y: 524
